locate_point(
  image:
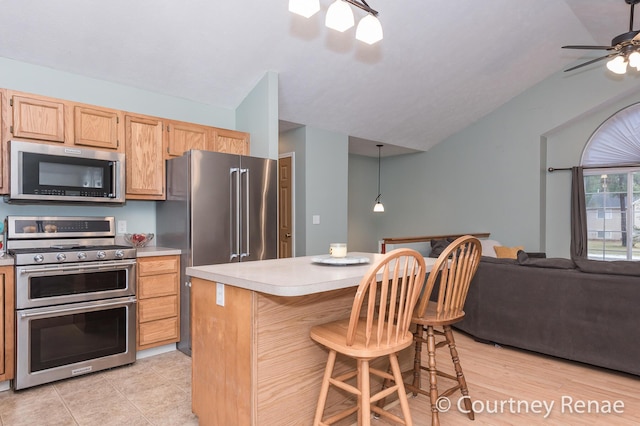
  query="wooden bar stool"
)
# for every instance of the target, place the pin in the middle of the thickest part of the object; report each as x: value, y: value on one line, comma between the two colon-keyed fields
x: 453, y: 271
x: 378, y: 327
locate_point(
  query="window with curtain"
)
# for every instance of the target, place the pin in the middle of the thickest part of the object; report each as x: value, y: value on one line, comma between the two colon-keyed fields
x: 612, y: 202
x: 611, y: 161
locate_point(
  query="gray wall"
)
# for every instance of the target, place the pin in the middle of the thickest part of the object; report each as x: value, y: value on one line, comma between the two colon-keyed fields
x: 258, y: 115
x: 491, y: 176
x: 363, y: 190
x: 321, y: 173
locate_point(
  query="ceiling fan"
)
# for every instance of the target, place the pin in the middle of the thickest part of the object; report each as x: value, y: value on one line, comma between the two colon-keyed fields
x: 625, y: 49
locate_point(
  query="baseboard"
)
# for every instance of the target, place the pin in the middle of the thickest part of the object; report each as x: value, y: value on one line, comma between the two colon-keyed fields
x: 146, y: 353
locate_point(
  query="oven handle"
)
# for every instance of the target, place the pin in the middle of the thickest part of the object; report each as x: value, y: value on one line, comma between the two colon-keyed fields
x: 81, y: 267
x: 77, y: 308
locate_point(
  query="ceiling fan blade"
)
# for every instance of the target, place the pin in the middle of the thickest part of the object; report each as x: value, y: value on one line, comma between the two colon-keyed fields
x: 589, y: 47
x: 592, y: 61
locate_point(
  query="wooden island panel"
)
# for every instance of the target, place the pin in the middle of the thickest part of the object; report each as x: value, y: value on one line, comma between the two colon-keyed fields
x: 221, y: 355
x: 253, y: 360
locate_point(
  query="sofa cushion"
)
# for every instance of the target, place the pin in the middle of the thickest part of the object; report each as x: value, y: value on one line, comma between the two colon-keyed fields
x: 544, y: 262
x: 507, y: 252
x: 616, y: 267
x: 487, y: 247
x: 438, y: 246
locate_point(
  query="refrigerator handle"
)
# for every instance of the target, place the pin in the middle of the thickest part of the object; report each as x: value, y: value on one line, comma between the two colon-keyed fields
x: 247, y: 210
x: 234, y: 189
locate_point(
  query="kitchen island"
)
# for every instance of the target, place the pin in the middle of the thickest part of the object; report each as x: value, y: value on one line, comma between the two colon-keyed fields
x: 253, y: 360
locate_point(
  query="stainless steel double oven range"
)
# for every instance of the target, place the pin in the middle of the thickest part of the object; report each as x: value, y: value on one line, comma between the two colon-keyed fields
x: 75, y: 297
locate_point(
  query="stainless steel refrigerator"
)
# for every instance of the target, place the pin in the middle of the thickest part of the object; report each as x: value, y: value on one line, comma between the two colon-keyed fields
x: 220, y: 208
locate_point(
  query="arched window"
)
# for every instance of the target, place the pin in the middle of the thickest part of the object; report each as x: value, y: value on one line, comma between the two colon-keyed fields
x: 611, y: 161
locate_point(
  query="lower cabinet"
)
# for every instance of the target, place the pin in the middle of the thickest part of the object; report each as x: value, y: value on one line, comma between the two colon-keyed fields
x: 158, y: 301
x: 7, y: 315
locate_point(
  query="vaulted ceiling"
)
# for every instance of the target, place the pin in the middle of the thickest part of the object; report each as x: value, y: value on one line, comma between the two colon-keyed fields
x: 442, y: 64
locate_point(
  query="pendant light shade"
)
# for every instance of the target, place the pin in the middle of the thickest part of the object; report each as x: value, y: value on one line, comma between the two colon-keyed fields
x: 369, y: 30
x: 339, y: 16
x: 306, y: 8
x: 378, y: 207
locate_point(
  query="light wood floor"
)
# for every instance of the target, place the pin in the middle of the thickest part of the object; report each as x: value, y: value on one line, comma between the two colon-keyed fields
x: 156, y: 390
x: 511, y: 381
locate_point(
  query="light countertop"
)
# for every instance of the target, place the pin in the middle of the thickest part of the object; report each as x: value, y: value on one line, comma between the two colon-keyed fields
x: 296, y: 276
x: 156, y: 251
x: 6, y: 260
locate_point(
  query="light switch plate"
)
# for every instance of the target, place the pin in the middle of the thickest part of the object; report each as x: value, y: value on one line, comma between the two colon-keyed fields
x: 316, y: 219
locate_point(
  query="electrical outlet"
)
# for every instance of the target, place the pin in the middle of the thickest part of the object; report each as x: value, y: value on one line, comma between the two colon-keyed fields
x: 220, y: 294
x: 122, y: 227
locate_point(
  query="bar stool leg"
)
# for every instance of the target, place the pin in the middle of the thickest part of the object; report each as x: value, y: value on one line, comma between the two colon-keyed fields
x: 459, y: 374
x: 324, y: 389
x: 433, y: 381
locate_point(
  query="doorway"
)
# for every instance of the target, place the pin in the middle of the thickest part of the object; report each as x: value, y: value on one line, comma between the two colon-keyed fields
x: 286, y: 220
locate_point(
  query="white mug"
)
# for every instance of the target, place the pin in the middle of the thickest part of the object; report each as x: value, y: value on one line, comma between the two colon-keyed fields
x: 338, y: 249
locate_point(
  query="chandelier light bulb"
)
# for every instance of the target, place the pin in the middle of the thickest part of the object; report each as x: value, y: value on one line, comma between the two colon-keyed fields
x: 339, y: 16
x: 370, y: 30
x: 306, y: 8
x: 634, y: 60
x: 617, y: 65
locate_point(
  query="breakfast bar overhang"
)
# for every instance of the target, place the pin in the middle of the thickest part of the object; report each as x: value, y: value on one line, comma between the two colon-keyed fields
x: 253, y: 360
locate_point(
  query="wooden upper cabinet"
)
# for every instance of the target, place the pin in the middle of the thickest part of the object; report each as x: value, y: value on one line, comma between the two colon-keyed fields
x: 38, y: 118
x: 96, y: 127
x: 145, y: 172
x: 181, y: 137
x: 231, y: 141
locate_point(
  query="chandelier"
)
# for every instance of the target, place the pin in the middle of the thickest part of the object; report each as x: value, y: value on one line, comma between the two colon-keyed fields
x: 340, y: 17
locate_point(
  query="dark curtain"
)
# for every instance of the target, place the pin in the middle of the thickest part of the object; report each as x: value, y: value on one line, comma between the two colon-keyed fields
x: 578, y: 215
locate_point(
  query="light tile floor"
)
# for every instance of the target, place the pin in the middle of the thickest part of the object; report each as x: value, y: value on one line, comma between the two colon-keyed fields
x: 152, y: 391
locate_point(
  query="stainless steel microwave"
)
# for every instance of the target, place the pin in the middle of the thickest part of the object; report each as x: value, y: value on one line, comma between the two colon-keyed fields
x: 42, y: 172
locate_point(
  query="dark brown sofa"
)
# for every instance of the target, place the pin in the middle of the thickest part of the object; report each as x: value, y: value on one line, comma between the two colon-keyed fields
x: 582, y: 311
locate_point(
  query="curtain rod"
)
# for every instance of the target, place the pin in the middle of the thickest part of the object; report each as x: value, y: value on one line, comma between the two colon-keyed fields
x: 551, y: 169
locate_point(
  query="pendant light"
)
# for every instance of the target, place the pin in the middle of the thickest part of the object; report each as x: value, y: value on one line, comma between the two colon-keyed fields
x: 378, y: 207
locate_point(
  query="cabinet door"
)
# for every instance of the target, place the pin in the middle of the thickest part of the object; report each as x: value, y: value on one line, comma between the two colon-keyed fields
x: 231, y: 141
x: 7, y: 312
x: 3, y: 337
x: 144, y: 159
x: 38, y: 118
x: 96, y: 127
x: 184, y: 136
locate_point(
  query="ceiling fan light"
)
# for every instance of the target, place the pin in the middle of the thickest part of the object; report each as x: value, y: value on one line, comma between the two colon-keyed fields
x: 339, y: 16
x: 306, y: 8
x: 369, y: 30
x: 617, y: 65
x: 634, y: 60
